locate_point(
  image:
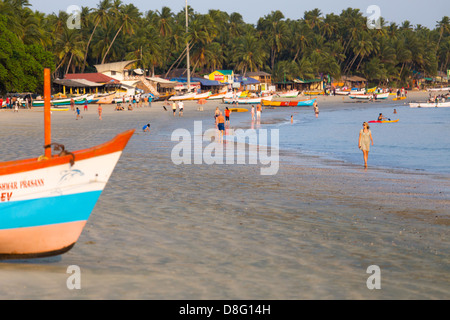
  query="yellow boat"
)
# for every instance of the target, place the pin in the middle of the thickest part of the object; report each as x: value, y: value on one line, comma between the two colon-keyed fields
x: 238, y: 110
x: 314, y: 93
x: 400, y: 98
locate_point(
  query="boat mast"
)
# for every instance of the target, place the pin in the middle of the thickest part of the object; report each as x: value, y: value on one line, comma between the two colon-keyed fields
x: 187, y: 50
x: 47, y: 115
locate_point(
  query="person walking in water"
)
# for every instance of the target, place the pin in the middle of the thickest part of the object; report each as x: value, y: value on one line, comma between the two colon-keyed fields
x: 174, y: 108
x: 227, y: 116
x: 365, y: 138
x: 253, y: 113
x: 100, y: 111
x: 258, y: 112
x: 316, y: 109
x: 220, y: 120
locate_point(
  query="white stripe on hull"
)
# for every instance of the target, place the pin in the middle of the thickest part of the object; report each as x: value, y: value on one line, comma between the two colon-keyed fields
x: 84, y: 176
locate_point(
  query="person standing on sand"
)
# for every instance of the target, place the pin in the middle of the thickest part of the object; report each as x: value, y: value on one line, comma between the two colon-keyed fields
x: 100, y: 111
x: 365, y: 138
x: 85, y: 105
x: 72, y: 104
x: 78, y: 113
x: 253, y: 113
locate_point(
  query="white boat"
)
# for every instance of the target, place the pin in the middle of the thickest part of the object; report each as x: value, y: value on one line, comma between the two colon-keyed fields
x: 342, y: 93
x: 218, y: 96
x: 369, y: 96
x: 191, y: 96
x: 247, y: 100
x: 439, y: 89
x: 288, y: 94
x: 430, y: 105
x: 66, y: 101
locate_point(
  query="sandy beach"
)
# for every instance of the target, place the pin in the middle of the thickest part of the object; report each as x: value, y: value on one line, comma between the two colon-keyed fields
x: 162, y: 231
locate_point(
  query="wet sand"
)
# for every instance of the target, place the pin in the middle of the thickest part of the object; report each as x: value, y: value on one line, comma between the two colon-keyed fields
x: 161, y: 231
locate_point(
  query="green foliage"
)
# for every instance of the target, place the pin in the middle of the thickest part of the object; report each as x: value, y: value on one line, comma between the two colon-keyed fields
x: 21, y: 66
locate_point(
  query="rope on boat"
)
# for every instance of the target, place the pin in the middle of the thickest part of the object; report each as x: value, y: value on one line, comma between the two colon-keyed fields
x: 59, y: 147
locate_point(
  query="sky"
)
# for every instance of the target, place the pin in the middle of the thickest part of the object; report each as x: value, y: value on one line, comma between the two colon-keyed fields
x: 424, y: 12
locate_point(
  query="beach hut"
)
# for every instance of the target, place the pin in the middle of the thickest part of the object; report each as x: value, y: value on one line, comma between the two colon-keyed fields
x: 354, y: 82
x: 264, y: 78
x: 308, y: 84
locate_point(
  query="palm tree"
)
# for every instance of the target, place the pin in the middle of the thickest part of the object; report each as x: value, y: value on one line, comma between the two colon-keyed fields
x: 444, y: 28
x: 313, y: 19
x: 127, y: 15
x: 274, y: 30
x: 249, y: 54
x: 69, y: 46
x: 299, y: 35
x: 100, y: 17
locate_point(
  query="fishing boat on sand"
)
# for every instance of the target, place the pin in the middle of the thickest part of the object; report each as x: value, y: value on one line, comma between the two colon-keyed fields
x: 191, y: 96
x: 247, y: 100
x: 369, y: 96
x: 45, y: 202
x: 288, y: 94
x: 66, y: 101
x: 300, y: 103
x: 430, y: 104
x: 106, y: 99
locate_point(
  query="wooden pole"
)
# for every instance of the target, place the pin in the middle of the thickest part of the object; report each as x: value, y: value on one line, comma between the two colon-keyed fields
x: 47, y: 116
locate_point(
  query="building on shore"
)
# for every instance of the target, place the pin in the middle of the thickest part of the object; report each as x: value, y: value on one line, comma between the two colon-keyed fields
x: 264, y: 78
x: 81, y: 83
x: 353, y: 82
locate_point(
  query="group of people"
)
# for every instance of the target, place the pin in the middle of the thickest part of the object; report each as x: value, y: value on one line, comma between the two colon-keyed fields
x: 15, y: 102
x: 176, y: 105
x: 258, y: 112
x: 438, y: 98
x: 401, y: 92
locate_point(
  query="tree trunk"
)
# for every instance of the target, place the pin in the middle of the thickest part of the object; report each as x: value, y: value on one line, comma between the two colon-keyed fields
x: 87, y: 47
x: 296, y: 54
x: 68, y: 66
x: 183, y: 54
x: 104, y: 57
x: 59, y: 66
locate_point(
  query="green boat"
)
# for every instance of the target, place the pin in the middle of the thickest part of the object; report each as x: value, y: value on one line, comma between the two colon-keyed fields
x: 66, y: 102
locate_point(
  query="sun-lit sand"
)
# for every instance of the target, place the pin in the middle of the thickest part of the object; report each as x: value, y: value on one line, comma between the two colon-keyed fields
x: 162, y: 231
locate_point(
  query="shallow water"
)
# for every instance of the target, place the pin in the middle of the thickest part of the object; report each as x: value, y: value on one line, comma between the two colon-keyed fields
x: 161, y: 231
x: 420, y: 141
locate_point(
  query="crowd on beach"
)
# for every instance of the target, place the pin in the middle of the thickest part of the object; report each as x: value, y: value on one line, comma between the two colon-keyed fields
x: 15, y: 102
x: 437, y: 98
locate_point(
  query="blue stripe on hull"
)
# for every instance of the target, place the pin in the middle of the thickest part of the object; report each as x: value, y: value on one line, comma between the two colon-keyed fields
x: 45, y: 211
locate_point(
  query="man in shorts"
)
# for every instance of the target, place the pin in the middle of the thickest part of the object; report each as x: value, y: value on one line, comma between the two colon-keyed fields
x: 221, y: 126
